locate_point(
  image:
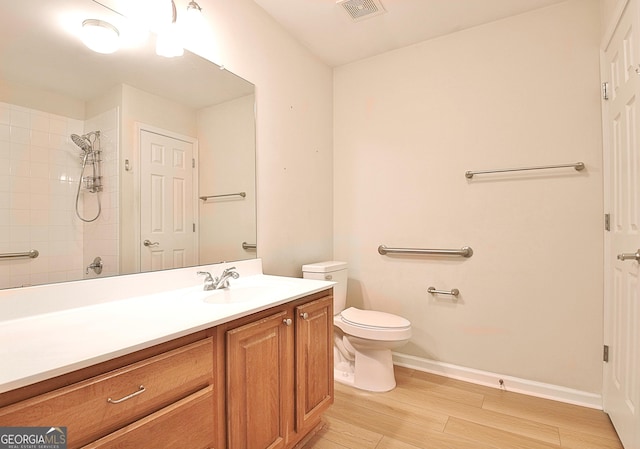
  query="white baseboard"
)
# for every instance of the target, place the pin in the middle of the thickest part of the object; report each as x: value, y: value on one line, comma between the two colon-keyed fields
x: 514, y: 384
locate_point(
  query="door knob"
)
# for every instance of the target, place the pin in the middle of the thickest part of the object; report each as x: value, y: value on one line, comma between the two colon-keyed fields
x: 304, y: 315
x: 287, y: 321
x: 627, y: 256
x: 150, y: 243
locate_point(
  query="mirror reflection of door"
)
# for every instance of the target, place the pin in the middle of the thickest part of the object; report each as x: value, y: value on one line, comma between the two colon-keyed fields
x: 167, y: 221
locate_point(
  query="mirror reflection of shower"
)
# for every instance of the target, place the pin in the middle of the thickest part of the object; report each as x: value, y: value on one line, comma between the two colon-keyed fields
x: 92, y: 181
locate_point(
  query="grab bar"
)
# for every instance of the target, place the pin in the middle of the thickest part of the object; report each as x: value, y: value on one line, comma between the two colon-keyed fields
x: 578, y: 166
x: 30, y: 254
x: 242, y: 194
x: 453, y: 292
x: 465, y: 251
x: 246, y: 245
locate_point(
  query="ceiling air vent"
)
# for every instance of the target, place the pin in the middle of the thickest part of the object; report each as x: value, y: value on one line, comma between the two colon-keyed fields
x: 361, y: 9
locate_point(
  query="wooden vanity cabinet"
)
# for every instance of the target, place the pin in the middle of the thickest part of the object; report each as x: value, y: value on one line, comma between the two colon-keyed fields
x: 279, y: 374
x: 258, y: 382
x: 151, y: 395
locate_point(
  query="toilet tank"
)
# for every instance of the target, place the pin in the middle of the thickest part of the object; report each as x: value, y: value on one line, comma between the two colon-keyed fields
x: 330, y: 271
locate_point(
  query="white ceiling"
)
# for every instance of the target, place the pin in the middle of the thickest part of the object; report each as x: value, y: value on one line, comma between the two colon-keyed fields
x: 330, y: 33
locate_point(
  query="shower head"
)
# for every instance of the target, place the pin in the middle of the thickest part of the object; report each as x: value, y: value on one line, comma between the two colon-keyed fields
x: 82, y: 142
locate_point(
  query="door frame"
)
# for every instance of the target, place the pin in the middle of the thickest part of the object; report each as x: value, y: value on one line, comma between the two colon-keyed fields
x: 139, y: 127
x: 607, y: 193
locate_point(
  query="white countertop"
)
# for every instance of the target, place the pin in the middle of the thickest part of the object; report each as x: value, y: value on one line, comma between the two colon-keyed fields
x: 38, y: 347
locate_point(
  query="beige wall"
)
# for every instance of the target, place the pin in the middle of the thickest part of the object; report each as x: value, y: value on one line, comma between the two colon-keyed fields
x: 409, y: 123
x: 226, y: 139
x: 608, y: 11
x: 294, y: 131
x: 41, y: 100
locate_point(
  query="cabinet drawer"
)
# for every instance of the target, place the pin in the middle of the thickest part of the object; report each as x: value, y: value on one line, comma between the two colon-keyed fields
x: 186, y: 424
x: 103, y: 404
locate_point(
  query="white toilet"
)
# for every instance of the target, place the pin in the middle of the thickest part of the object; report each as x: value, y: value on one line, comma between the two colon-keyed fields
x: 363, y: 339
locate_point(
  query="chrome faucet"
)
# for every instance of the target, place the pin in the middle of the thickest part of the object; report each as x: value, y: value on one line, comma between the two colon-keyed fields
x: 223, y: 280
x: 219, y: 282
x: 208, y: 280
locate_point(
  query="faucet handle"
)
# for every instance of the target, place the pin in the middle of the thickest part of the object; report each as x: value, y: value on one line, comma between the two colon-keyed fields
x: 206, y: 274
x: 229, y: 271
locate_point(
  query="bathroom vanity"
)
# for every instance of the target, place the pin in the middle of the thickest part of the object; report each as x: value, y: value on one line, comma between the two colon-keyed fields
x: 248, y: 367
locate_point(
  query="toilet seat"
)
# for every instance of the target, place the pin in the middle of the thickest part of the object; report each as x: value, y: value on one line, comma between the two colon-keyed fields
x: 373, y: 325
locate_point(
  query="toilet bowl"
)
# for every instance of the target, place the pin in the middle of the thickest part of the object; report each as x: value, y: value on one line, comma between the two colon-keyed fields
x: 363, y: 339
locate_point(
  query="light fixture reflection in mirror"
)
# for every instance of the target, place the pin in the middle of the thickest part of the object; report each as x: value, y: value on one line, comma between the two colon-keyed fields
x: 100, y: 36
x: 168, y: 42
x: 173, y: 30
x: 182, y: 28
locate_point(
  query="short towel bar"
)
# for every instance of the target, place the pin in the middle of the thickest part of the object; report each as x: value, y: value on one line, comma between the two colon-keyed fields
x: 578, y: 166
x: 465, y: 251
x: 453, y: 292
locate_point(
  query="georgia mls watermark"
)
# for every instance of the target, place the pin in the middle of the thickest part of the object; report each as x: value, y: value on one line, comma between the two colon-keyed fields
x: 33, y: 438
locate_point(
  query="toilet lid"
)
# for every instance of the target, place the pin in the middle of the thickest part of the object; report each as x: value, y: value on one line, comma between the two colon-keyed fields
x: 373, y: 319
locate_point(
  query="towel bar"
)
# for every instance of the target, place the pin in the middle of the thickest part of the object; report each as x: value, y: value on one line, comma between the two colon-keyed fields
x: 465, y: 251
x: 453, y: 292
x: 578, y: 166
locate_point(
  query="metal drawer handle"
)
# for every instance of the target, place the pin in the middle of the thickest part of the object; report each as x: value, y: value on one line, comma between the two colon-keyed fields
x: 304, y: 315
x: 287, y: 321
x: 627, y: 256
x: 141, y: 390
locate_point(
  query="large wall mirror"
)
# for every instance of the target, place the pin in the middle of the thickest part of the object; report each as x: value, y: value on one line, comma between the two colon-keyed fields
x: 116, y: 163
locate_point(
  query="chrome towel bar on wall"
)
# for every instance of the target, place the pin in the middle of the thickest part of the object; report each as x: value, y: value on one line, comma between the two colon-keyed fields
x: 434, y: 291
x: 465, y: 251
x: 242, y: 194
x: 577, y: 166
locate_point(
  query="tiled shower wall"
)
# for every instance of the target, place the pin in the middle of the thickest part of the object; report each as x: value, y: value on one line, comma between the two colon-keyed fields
x: 101, y: 235
x: 39, y: 172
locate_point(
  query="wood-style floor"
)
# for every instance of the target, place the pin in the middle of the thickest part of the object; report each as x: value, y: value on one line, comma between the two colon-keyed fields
x: 429, y: 411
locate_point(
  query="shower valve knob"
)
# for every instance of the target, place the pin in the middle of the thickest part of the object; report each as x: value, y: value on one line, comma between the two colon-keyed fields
x: 96, y: 266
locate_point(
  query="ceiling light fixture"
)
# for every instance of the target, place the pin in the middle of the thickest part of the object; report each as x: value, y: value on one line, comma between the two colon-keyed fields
x: 100, y: 36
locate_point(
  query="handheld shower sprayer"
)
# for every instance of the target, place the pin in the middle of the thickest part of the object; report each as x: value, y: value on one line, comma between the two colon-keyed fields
x: 82, y: 141
x: 90, y: 145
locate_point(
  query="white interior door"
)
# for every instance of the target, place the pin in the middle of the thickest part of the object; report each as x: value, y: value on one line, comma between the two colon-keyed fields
x: 167, y: 230
x: 621, y: 390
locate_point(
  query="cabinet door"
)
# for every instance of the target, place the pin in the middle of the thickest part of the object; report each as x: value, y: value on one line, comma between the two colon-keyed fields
x: 314, y: 360
x: 257, y: 377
